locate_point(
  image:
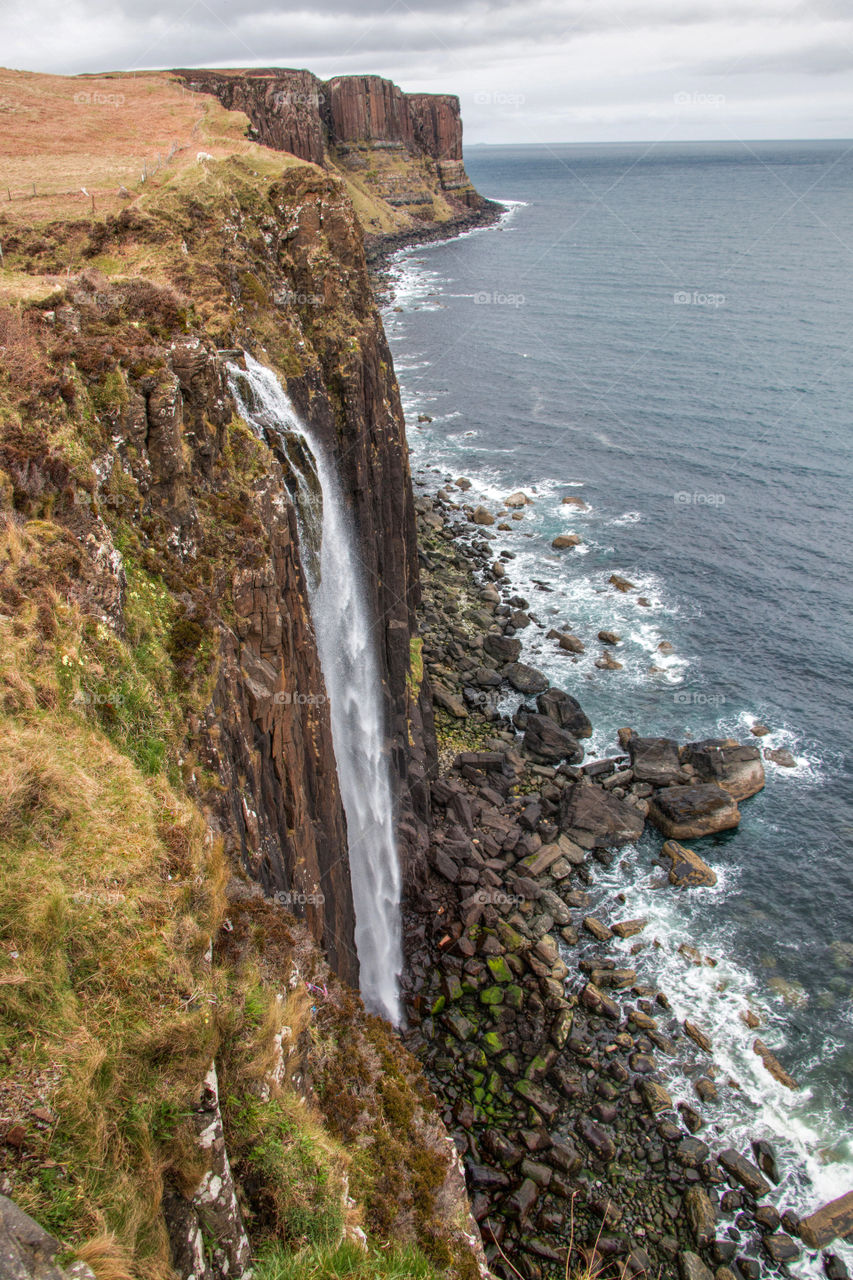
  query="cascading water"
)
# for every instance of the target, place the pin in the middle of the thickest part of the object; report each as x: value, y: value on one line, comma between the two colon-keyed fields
x: 345, y: 642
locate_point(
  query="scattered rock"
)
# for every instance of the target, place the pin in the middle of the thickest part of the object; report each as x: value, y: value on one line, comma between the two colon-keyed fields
x: 687, y: 868
x: 774, y: 1066
x: 781, y: 757
x: 609, y: 637
x: 525, y: 679
x: 572, y: 644
x: 517, y: 499
x: 760, y: 730
x: 483, y: 516
x: 744, y: 1172
x: 575, y: 502
x: 620, y: 583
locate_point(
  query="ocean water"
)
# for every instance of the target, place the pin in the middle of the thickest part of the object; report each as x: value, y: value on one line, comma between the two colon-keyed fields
x: 666, y: 333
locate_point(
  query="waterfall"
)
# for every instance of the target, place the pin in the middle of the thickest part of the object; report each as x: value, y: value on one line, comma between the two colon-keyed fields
x: 346, y: 645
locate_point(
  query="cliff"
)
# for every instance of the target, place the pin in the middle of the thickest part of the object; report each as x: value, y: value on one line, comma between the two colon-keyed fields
x: 401, y: 153
x: 205, y: 1087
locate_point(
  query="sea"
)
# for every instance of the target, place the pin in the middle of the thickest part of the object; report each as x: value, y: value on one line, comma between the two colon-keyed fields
x: 664, y: 331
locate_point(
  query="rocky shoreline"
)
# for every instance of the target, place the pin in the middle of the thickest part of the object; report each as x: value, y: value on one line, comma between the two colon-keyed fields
x: 551, y: 1060
x: 379, y: 248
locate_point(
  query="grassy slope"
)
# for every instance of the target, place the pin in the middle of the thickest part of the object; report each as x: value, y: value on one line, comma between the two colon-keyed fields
x: 112, y: 892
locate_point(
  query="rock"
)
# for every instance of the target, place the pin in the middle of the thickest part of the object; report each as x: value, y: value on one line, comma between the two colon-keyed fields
x: 498, y: 570
x: 596, y: 1137
x: 566, y: 711
x: 547, y: 741
x: 628, y: 928
x: 834, y: 1268
x: 595, y: 999
x: 744, y: 1172
x: 572, y: 644
x: 701, y: 1215
x: 832, y: 1220
x: 483, y: 516
x: 751, y: 1019
x: 767, y: 1217
x: 598, y: 930
x: 774, y: 1066
x: 609, y: 637
x: 738, y: 770
x: 525, y: 679
x: 537, y: 1097
x: 760, y: 730
x: 518, y: 499
x: 521, y: 1202
x: 28, y: 1252
x: 563, y: 540
x: 449, y: 701
x: 620, y: 583
x: 575, y: 502
x: 697, y: 1036
x: 502, y: 648
x: 780, y: 1248
x: 605, y: 819
x: 686, y: 867
x: 691, y: 1152
x: 765, y: 1158
x: 463, y: 483
x: 692, y: 1267
x: 656, y: 760
x: 684, y: 813
x: 780, y: 756
x: 655, y: 1096
x: 607, y: 662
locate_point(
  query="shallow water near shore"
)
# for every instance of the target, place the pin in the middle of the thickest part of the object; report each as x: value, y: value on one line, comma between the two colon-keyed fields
x: 665, y: 334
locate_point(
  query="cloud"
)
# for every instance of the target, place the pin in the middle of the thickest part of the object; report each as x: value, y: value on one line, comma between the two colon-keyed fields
x: 567, y: 69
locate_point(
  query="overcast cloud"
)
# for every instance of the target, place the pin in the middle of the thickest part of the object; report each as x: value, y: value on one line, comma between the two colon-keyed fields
x: 544, y: 70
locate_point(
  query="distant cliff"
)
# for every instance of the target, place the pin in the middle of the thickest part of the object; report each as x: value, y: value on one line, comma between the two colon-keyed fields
x: 403, y: 150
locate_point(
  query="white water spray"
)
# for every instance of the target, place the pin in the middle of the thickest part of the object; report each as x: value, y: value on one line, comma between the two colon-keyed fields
x: 346, y: 645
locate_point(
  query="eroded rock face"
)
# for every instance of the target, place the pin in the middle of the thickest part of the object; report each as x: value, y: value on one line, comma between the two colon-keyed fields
x: 283, y: 105
x: 735, y: 768
x: 685, y: 813
x: 603, y: 820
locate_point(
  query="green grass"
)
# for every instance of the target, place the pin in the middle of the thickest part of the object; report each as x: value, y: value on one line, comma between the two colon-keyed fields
x: 346, y: 1262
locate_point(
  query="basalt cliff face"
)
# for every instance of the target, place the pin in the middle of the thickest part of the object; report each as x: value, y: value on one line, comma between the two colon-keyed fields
x: 172, y: 804
x: 406, y: 149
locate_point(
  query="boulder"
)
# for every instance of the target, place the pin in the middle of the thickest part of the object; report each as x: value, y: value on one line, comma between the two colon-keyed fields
x: 687, y: 868
x: 525, y: 679
x: 483, y: 516
x: 609, y: 637
x: 517, y: 499
x: 701, y: 1215
x: 28, y: 1252
x: 545, y: 739
x: 502, y: 648
x: 563, y: 540
x: 692, y: 1267
x: 744, y: 1172
x: 684, y: 813
x: 449, y: 701
x: 605, y: 819
x: 656, y: 760
x: 620, y: 583
x: 566, y: 711
x: 737, y: 769
x: 575, y: 502
x: 774, y: 1066
x: 824, y: 1225
x: 569, y: 642
x: 607, y: 662
x: 781, y: 757
x: 780, y: 1248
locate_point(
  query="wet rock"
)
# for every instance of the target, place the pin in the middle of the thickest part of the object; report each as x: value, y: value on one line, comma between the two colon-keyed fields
x: 483, y: 516
x: 684, y: 813
x: 569, y: 642
x: 501, y: 647
x: 780, y: 756
x: 774, y: 1066
x: 737, y: 769
x: 628, y: 928
x: 744, y: 1172
x: 656, y: 760
x: 517, y: 499
x: 537, y: 1097
x: 597, y: 928
x: 701, y: 1215
x: 594, y: 999
x: 544, y: 739
x: 620, y: 583
x: 566, y: 711
x: 655, y: 1096
x: 575, y: 502
x: 607, y: 662
x: 780, y: 1248
x: 596, y: 1137
x: 525, y: 679
x: 834, y: 1268
x: 765, y: 1158
x: 692, y: 1153
x: 484, y: 1176
x: 691, y: 1267
x: 832, y: 1220
x: 520, y: 1204
x: 605, y: 819
x: 609, y: 637
x: 686, y: 867
x: 697, y: 1036
x: 563, y: 540
x: 768, y: 1218
x: 449, y: 701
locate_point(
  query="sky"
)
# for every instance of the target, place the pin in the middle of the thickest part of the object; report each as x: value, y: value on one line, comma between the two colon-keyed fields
x: 525, y: 70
